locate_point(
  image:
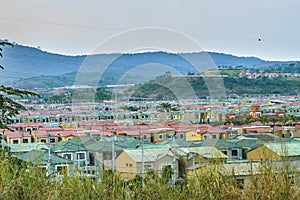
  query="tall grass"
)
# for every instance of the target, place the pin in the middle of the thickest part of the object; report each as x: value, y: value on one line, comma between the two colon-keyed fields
x: 19, y: 180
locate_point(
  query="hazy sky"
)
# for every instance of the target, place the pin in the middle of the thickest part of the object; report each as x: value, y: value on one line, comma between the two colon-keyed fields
x: 269, y: 29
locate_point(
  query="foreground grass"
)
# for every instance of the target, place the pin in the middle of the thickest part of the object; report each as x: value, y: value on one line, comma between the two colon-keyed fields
x: 19, y: 180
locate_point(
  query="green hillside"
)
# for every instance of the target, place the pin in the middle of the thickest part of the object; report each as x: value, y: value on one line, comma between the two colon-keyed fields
x: 160, y: 87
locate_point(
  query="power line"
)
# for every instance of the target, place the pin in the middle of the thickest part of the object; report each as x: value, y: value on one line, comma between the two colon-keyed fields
x: 61, y: 24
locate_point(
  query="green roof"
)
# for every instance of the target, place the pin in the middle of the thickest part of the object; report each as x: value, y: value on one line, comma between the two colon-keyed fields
x: 183, y: 143
x: 206, y: 152
x: 82, y: 140
x: 25, y: 147
x: 120, y: 142
x: 285, y: 149
x: 103, y: 146
x: 150, y: 155
x: 230, y: 143
x: 41, y: 157
x: 67, y: 146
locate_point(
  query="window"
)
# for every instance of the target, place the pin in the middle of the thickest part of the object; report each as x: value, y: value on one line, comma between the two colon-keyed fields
x: 15, y: 141
x: 52, y: 140
x: 80, y: 156
x: 205, y: 137
x: 43, y: 140
x: 130, y: 165
x: 148, y: 166
x: 145, y: 137
x: 25, y: 140
x: 61, y: 168
x: 181, y: 136
x: 214, y: 136
x: 160, y: 137
x: 225, y: 152
x: 234, y: 152
x: 67, y: 156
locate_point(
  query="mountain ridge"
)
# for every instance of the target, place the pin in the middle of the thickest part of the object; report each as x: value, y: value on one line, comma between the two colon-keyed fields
x: 22, y: 62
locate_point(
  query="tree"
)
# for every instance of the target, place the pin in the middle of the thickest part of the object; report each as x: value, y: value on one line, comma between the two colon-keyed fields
x: 231, y: 121
x: 274, y: 120
x: 9, y: 107
x: 247, y: 120
x: 264, y: 119
x: 166, y: 106
x: 294, y: 119
x: 284, y: 119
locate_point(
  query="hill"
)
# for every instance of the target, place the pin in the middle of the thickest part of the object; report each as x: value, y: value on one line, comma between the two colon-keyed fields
x: 166, y: 86
x: 22, y: 63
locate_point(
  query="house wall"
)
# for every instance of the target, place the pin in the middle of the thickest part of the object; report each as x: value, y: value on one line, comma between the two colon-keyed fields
x: 126, y: 166
x: 20, y: 140
x: 233, y: 153
x: 82, y: 162
x: 164, y: 135
x: 192, y: 136
x: 262, y: 153
x: 297, y: 133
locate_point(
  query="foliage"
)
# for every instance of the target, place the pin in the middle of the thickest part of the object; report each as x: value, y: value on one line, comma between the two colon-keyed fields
x: 20, y: 180
x: 232, y: 84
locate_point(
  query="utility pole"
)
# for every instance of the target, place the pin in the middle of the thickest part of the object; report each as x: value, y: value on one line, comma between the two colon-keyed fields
x: 49, y: 158
x: 113, y: 155
x: 174, y: 161
x: 143, y: 161
x: 194, y: 163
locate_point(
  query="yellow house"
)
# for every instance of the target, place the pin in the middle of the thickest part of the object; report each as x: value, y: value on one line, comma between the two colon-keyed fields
x: 201, y: 156
x: 16, y: 137
x: 275, y: 151
x: 129, y: 162
x: 296, y: 132
x: 192, y: 136
x: 161, y: 134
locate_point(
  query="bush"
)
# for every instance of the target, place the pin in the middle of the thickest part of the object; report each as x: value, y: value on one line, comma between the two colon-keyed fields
x: 19, y: 180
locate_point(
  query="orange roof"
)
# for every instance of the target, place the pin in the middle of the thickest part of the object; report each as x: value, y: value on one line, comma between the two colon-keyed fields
x: 297, y: 127
x: 16, y: 134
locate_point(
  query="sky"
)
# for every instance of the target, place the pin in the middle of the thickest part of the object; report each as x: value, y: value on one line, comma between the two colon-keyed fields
x: 268, y: 29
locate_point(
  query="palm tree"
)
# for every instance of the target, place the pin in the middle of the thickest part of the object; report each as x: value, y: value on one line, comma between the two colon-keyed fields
x: 273, y: 120
x: 247, y: 120
x: 166, y: 106
x: 283, y: 120
x: 231, y: 121
x: 294, y: 119
x: 264, y: 119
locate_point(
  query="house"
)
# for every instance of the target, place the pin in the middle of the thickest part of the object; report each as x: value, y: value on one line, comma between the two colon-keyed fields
x: 276, y: 151
x: 234, y: 148
x: 159, y: 135
x: 218, y: 132
x: 255, y: 111
x: 75, y: 152
x: 192, y: 136
x: 296, y: 132
x: 17, y: 137
x: 57, y: 164
x: 202, y: 155
x: 129, y: 162
x: 102, y: 150
x: 19, y: 149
